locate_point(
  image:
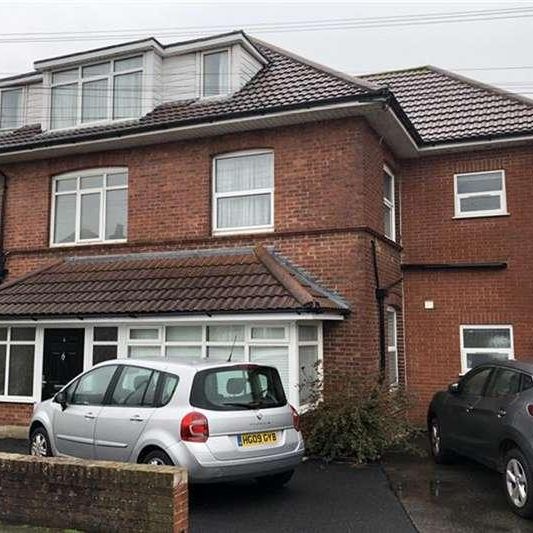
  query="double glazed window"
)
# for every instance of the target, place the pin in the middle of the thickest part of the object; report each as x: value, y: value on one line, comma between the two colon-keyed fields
x: 215, y: 73
x: 389, y: 208
x: 90, y: 207
x: 480, y: 194
x: 17, y: 354
x: 10, y: 108
x: 483, y: 344
x: 102, y: 91
x: 392, y: 346
x: 243, y: 192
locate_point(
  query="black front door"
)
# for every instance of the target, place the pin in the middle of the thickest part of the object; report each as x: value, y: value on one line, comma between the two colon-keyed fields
x: 62, y: 358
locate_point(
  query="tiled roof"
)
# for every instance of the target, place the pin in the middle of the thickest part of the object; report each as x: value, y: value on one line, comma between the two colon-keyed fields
x: 443, y: 106
x: 209, y: 281
x: 284, y: 83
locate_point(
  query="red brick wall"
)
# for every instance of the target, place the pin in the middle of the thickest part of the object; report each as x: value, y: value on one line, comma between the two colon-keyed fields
x: 432, y: 235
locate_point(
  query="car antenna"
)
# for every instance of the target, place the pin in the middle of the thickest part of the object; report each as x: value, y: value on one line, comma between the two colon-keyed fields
x: 231, y: 351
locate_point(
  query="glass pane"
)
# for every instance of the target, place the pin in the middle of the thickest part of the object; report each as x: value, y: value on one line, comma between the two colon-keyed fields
x: 505, y: 383
x: 65, y: 76
x: 116, y: 180
x: 245, y: 173
x: 70, y: 184
x: 387, y: 187
x: 127, y: 95
x: 128, y: 64
x: 3, y: 348
x: 137, y: 352
x: 268, y: 332
x: 487, y: 338
x: 307, y: 333
x: 103, y: 353
x: 90, y: 216
x: 483, y: 182
x: 183, y: 351
x: 474, y: 384
x: 474, y: 359
x: 216, y: 69
x: 169, y: 386
x: 222, y: 353
x: 21, y: 370
x: 93, y: 386
x: 144, y: 334
x: 149, y: 396
x: 131, y: 386
x: 387, y: 220
x: 105, y: 334
x: 94, y: 101
x: 244, y: 211
x: 392, y: 366
x: 64, y: 106
x: 96, y: 70
x: 22, y: 334
x: 227, y: 333
x: 3, y: 334
x: 116, y: 212
x: 308, y: 372
x: 65, y: 219
x: 91, y: 182
x: 184, y: 333
x: 391, y: 328
x: 11, y: 108
x: 480, y: 203
x: 276, y: 356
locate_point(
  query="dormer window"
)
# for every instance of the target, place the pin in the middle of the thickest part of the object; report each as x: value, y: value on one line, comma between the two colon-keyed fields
x: 215, y: 73
x: 98, y: 92
x: 10, y: 108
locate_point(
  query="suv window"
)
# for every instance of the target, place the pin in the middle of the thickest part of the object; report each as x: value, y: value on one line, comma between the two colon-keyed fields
x: 527, y: 382
x: 237, y: 388
x: 132, y: 386
x: 474, y: 383
x: 167, y: 388
x: 505, y: 382
x: 91, y: 388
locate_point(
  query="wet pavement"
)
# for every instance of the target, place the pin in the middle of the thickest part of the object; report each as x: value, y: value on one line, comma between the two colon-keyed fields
x: 463, y: 497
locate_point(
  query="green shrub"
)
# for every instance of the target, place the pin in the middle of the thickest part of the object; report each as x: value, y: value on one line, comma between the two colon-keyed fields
x: 358, y: 423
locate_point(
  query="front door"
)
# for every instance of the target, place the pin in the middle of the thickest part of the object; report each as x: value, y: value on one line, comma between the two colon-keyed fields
x: 62, y: 358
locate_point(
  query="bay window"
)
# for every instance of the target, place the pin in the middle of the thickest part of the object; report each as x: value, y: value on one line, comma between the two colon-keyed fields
x: 243, y: 192
x: 98, y: 92
x: 215, y: 73
x: 11, y: 108
x: 90, y: 207
x: 483, y: 344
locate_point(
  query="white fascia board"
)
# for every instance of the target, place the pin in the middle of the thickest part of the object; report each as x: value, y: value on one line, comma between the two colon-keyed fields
x: 22, y: 80
x: 488, y: 144
x: 200, y: 319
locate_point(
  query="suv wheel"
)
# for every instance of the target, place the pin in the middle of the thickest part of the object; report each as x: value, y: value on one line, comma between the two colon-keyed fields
x: 158, y: 458
x: 518, y: 482
x: 40, y: 443
x: 440, y: 453
x: 275, y: 481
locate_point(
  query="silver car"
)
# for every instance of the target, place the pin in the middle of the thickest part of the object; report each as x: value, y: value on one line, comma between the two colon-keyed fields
x: 220, y: 421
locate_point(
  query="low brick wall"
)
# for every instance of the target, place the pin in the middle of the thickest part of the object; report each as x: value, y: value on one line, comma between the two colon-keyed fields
x: 92, y: 496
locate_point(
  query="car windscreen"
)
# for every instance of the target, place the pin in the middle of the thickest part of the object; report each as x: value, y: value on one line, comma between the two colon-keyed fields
x: 237, y: 388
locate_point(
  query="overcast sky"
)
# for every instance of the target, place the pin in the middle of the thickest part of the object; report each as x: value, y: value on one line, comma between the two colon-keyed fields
x: 480, y: 44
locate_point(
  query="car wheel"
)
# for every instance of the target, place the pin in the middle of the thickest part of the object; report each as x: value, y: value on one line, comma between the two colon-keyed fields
x: 40, y: 443
x: 518, y: 483
x: 157, y: 458
x: 275, y: 481
x: 441, y: 455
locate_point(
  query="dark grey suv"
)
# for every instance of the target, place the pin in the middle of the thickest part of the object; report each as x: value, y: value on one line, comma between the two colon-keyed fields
x: 488, y: 416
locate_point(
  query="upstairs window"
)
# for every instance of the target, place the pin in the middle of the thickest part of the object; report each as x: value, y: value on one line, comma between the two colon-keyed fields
x: 10, y: 108
x: 90, y: 207
x: 103, y: 91
x: 389, y: 207
x: 480, y: 194
x: 215, y: 73
x: 483, y: 344
x: 243, y: 190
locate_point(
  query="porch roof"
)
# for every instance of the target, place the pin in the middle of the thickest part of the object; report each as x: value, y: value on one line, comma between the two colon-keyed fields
x: 169, y: 283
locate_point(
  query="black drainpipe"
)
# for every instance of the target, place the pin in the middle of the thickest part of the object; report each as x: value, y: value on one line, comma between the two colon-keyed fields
x: 3, y: 190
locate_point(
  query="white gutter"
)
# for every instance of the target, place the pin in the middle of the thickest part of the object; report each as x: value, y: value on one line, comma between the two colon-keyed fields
x: 469, y: 145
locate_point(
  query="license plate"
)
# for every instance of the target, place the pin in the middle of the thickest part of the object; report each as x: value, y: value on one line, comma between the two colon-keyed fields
x: 257, y: 439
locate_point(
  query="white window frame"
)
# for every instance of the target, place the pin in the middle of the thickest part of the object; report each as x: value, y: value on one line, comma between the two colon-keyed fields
x: 464, y: 351
x: 319, y: 343
x: 104, y: 172
x: 390, y: 204
x: 482, y: 213
x: 202, y: 68
x: 92, y: 343
x: 392, y: 348
x: 20, y: 117
x: 80, y: 80
x: 251, y: 192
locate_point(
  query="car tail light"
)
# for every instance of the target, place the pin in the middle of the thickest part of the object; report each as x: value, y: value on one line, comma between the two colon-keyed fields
x: 295, y: 418
x: 530, y: 409
x: 194, y: 428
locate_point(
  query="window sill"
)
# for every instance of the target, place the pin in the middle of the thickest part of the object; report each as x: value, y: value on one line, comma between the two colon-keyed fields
x: 91, y: 243
x: 481, y: 215
x: 244, y: 231
x: 14, y: 399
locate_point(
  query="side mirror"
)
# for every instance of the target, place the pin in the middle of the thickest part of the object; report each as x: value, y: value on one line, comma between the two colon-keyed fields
x: 61, y: 399
x: 453, y: 388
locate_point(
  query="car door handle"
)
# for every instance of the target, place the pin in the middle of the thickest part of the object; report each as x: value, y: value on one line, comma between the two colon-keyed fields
x: 90, y: 416
x: 136, y: 418
x: 501, y: 413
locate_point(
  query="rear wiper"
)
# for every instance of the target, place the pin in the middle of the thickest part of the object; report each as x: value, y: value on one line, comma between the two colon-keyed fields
x: 252, y: 405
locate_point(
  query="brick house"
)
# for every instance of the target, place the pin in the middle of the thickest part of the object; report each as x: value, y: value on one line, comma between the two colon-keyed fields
x: 223, y: 196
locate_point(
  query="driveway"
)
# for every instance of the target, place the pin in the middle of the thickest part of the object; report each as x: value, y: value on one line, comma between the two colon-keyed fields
x: 320, y: 498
